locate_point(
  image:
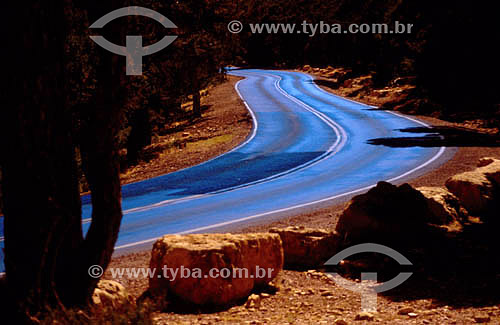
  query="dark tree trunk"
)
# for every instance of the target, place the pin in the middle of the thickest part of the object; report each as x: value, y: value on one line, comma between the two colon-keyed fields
x: 196, y: 94
x: 41, y: 197
x: 140, y: 135
x: 100, y: 161
x: 46, y: 256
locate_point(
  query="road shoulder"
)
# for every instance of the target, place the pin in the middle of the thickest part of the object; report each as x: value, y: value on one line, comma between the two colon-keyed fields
x: 225, y: 123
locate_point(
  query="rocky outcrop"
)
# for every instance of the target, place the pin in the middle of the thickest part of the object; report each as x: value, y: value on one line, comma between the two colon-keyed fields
x: 440, y: 230
x: 444, y: 208
x: 214, y: 269
x: 338, y: 75
x: 307, y: 247
x: 397, y: 214
x: 385, y: 213
x: 478, y: 190
x: 111, y: 294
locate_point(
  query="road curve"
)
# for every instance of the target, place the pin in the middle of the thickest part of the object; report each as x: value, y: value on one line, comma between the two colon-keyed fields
x: 308, y: 148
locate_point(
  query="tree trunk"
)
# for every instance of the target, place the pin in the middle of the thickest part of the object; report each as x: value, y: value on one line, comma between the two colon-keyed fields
x: 41, y: 198
x: 140, y: 134
x: 196, y: 95
x: 46, y: 256
x: 100, y: 162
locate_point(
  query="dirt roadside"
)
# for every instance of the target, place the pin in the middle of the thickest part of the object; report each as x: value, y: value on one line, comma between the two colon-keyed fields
x: 224, y: 124
x: 306, y: 297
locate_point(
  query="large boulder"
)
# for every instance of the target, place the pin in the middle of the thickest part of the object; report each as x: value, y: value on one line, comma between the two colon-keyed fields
x: 478, y: 190
x: 214, y: 269
x: 306, y: 247
x: 444, y: 208
x: 111, y: 294
x: 394, y: 215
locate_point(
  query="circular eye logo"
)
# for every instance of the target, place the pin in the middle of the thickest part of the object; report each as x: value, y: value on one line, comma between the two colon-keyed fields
x: 133, y: 51
x: 369, y: 286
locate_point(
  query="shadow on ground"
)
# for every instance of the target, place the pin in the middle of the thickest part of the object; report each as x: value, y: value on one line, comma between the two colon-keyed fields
x: 462, y: 271
x: 440, y: 136
x: 327, y: 83
x: 190, y: 120
x: 178, y: 306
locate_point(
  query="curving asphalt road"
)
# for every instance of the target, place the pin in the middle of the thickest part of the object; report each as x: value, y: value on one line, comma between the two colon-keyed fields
x: 308, y: 148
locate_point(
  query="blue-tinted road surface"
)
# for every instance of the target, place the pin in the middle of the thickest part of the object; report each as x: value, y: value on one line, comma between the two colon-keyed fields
x: 308, y: 149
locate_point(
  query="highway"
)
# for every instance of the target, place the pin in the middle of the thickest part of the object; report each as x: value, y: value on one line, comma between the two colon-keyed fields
x: 308, y: 149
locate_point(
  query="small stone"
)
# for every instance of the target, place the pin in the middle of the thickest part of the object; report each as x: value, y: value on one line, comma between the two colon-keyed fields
x: 83, y: 315
x: 482, y: 318
x: 327, y: 294
x: 340, y: 322
x: 334, y: 312
x: 412, y: 315
x: 253, y: 301
x: 364, y: 315
x: 265, y: 295
x: 405, y: 311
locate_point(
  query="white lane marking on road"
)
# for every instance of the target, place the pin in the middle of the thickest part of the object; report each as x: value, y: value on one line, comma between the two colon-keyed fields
x: 334, y: 95
x: 255, y: 127
x: 322, y: 116
x: 339, y: 130
x: 226, y: 223
x: 333, y: 149
x: 441, y: 149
